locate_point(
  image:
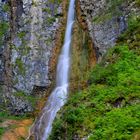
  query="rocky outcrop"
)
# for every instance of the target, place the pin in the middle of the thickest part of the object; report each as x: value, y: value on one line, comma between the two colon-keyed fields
x: 4, y: 37
x: 104, y: 25
x: 19, y: 106
x: 28, y: 39
x: 83, y: 56
x: 33, y: 43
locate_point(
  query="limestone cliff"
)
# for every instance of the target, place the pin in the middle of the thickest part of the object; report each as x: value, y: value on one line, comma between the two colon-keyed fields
x: 106, y: 20
x: 28, y: 33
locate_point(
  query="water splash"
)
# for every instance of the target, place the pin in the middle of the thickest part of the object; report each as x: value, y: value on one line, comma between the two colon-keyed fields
x: 59, y: 95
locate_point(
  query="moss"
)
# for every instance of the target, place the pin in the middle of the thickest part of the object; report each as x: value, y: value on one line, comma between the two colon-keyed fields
x: 4, y: 116
x: 138, y: 3
x: 25, y: 50
x: 34, y: 3
x: 48, y: 10
x: 20, y: 66
x: 48, y: 41
x: 50, y: 20
x: 112, y: 10
x: 4, y: 26
x: 30, y: 98
x: 53, y: 1
x: 21, y: 34
x: 6, y: 8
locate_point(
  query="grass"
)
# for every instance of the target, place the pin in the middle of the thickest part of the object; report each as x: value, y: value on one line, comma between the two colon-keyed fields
x: 109, y: 107
x: 6, y: 115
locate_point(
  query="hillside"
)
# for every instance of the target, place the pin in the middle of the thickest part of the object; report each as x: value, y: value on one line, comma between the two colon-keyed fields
x: 104, y: 77
x: 107, y: 108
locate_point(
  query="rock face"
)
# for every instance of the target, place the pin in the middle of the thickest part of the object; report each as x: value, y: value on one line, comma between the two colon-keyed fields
x: 33, y: 43
x: 27, y: 39
x: 4, y: 35
x: 104, y: 25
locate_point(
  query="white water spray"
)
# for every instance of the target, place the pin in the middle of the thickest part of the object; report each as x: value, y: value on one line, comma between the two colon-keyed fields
x: 58, y: 97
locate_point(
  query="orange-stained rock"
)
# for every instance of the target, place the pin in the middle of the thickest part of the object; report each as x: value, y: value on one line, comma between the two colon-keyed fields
x: 20, y: 129
x: 21, y: 132
x: 7, y: 123
x: 9, y: 136
x: 26, y: 122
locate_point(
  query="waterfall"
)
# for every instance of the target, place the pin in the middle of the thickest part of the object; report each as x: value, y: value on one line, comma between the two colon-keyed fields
x: 59, y: 95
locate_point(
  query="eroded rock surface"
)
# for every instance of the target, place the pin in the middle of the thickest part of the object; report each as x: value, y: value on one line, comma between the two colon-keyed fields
x: 27, y: 41
x: 104, y: 25
x: 33, y: 43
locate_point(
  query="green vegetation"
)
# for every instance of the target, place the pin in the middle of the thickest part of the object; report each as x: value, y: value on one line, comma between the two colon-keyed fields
x: 21, y: 34
x: 109, y: 108
x: 138, y: 2
x: 50, y: 20
x: 4, y: 116
x: 53, y: 1
x: 32, y: 99
x: 48, y: 41
x: 113, y: 9
x: 20, y: 66
x: 48, y: 10
x: 6, y: 8
x: 2, y: 130
x: 132, y: 36
x: 3, y: 29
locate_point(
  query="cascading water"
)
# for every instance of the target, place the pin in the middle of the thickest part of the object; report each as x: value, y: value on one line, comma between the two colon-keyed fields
x: 58, y: 97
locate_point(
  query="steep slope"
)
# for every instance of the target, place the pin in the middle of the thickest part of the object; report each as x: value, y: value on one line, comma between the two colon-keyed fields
x: 105, y: 97
x: 108, y: 107
x: 106, y: 20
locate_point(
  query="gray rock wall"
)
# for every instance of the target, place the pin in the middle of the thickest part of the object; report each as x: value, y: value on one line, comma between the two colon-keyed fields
x: 106, y: 21
x: 4, y: 35
x: 37, y: 24
x: 27, y: 39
